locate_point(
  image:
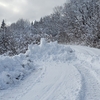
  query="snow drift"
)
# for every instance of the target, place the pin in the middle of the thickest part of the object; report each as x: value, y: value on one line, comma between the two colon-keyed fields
x: 16, y: 68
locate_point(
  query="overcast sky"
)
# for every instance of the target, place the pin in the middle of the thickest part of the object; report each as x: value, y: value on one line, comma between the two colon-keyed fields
x: 12, y: 10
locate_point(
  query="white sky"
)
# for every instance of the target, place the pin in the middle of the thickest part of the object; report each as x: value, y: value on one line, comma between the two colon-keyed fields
x: 12, y: 10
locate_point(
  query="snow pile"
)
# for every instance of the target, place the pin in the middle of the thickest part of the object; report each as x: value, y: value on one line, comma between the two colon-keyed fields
x: 51, y: 52
x: 14, y: 69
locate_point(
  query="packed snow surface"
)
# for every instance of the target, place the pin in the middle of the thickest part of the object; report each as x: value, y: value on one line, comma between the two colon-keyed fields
x: 51, y: 71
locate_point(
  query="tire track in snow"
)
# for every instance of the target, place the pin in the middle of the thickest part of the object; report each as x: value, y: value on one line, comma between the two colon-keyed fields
x: 90, y: 89
x: 90, y: 76
x: 27, y: 84
x: 60, y: 90
x: 32, y: 84
x: 64, y: 92
x: 60, y: 82
x: 45, y: 95
x: 81, y: 95
x: 52, y: 89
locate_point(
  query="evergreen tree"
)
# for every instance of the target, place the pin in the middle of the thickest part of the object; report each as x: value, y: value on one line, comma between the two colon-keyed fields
x: 3, y: 25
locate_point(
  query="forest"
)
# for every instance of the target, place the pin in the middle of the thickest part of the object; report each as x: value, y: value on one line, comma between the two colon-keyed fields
x: 76, y: 22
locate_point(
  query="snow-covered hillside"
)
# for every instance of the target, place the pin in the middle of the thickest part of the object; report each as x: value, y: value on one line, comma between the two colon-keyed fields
x: 51, y: 71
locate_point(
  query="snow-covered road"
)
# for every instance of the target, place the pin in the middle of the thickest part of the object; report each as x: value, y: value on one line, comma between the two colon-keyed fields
x: 57, y: 82
x: 75, y: 77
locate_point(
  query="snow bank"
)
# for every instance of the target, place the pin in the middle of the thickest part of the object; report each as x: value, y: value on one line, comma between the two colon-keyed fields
x: 50, y: 52
x: 14, y: 69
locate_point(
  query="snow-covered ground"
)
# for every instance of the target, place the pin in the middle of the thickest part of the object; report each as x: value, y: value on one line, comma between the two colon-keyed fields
x: 51, y: 71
